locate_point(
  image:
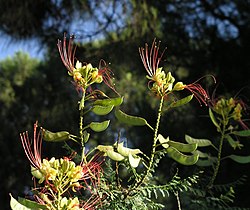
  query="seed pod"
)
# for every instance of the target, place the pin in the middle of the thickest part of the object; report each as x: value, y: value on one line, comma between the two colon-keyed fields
x: 134, y: 161
x: 114, y: 155
x: 99, y: 126
x: 181, y: 158
x: 129, y: 119
x: 124, y: 151
x: 55, y: 137
x: 163, y: 141
x: 104, y: 148
x: 183, y: 147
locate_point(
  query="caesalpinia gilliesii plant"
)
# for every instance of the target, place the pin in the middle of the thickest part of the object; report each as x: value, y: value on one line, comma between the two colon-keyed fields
x: 57, y: 177
x: 62, y: 182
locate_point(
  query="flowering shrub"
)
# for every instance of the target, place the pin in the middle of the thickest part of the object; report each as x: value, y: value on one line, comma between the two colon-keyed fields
x: 92, y: 179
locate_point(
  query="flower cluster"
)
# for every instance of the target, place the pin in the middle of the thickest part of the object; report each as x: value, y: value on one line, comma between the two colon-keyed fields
x: 84, y: 74
x: 59, y: 175
x: 229, y: 109
x: 162, y: 83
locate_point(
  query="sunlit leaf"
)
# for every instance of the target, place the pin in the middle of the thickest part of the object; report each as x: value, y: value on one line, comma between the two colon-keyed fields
x: 240, y: 159
x: 183, y: 147
x: 129, y: 119
x: 24, y: 204
x: 109, y: 102
x: 199, y: 142
x: 102, y: 110
x: 15, y: 205
x: 99, y: 126
x: 181, y: 158
x: 181, y: 102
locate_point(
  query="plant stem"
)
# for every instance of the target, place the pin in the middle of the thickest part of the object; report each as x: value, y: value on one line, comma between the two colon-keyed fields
x: 178, y: 200
x: 81, y: 108
x: 151, y: 161
x: 216, y: 170
x: 156, y: 134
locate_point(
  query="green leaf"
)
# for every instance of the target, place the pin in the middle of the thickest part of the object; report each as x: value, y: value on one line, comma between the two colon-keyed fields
x: 109, y: 102
x: 183, y: 147
x: 240, y: 159
x: 243, y: 133
x: 181, y: 158
x: 181, y: 102
x: 15, y: 205
x: 31, y: 204
x: 99, y: 126
x: 234, y: 144
x: 205, y: 163
x: 199, y: 142
x: 24, y: 204
x: 86, y: 136
x: 212, y: 117
x: 129, y: 119
x: 55, y: 137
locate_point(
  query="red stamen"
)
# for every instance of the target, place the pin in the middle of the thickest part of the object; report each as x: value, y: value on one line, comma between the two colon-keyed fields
x: 150, y: 59
x: 67, y: 54
x: 34, y: 155
x: 199, y: 93
x: 106, y: 74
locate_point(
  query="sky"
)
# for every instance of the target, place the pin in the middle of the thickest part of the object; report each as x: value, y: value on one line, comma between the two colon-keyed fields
x: 8, y: 47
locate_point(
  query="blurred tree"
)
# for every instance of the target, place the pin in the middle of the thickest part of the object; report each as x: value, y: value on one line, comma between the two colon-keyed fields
x: 202, y: 36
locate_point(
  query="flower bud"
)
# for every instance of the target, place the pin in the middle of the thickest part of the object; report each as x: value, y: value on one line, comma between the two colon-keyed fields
x: 178, y: 86
x: 77, y: 76
x: 78, y: 65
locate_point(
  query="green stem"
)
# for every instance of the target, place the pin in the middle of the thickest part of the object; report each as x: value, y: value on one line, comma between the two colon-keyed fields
x: 151, y: 161
x: 81, y: 124
x: 216, y: 170
x: 178, y: 200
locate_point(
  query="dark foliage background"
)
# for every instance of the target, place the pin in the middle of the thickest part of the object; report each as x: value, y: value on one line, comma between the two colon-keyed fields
x: 202, y: 36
